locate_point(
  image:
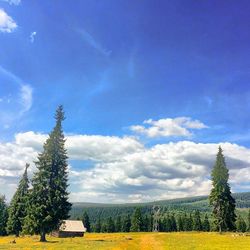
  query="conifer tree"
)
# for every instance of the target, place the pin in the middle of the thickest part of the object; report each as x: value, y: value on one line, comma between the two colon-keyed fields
x: 126, y: 224
x: 110, y: 225
x: 48, y: 200
x: 3, y: 216
x: 190, y: 223
x: 98, y: 225
x: 86, y: 222
x: 18, y: 204
x: 136, y: 221
x: 180, y: 223
x: 118, y: 224
x: 206, y: 224
x: 197, y: 226
x: 248, y: 221
x: 173, y: 223
x: 168, y: 224
x: 220, y: 197
x: 241, y: 224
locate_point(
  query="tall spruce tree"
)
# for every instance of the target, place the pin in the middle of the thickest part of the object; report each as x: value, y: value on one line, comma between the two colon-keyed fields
x: 136, y: 221
x: 197, y: 225
x: 48, y: 200
x: 18, y: 204
x: 126, y: 223
x: 220, y: 197
x: 118, y: 224
x: 241, y: 225
x: 248, y: 221
x: 3, y: 216
x: 86, y: 222
x: 206, y: 224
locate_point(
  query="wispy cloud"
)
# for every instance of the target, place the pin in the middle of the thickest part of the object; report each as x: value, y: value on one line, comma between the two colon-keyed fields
x: 90, y: 40
x: 7, y: 24
x: 32, y: 36
x: 26, y: 97
x: 13, y: 2
x: 17, y: 102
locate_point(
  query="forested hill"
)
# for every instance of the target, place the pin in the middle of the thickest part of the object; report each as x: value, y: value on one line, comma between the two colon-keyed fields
x: 95, y: 210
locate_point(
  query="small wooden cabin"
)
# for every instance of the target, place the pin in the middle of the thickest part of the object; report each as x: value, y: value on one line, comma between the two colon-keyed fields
x: 70, y: 228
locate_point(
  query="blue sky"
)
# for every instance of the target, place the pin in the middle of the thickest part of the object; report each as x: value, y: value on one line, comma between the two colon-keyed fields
x: 114, y: 64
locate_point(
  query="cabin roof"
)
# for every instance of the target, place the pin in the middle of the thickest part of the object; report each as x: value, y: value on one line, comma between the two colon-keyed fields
x: 72, y: 226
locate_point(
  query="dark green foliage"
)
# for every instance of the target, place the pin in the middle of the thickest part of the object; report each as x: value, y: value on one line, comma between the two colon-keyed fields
x: 18, y: 204
x: 136, y: 221
x: 197, y: 226
x: 147, y: 223
x: 241, y: 225
x: 118, y: 224
x: 3, y: 216
x: 98, y: 226
x: 173, y: 223
x: 206, y: 224
x: 126, y: 223
x: 220, y: 197
x: 180, y: 223
x: 48, y: 200
x: 248, y: 221
x: 85, y: 220
x: 110, y: 225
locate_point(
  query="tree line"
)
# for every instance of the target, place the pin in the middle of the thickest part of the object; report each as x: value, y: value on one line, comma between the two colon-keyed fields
x: 169, y: 222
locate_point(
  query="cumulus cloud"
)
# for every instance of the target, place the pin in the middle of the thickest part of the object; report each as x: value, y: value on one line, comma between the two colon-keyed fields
x: 180, y: 126
x: 122, y: 169
x: 7, y: 24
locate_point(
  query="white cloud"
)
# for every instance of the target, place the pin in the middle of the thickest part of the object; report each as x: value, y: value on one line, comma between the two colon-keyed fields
x: 122, y: 169
x: 32, y: 36
x: 13, y: 2
x: 180, y: 126
x: 7, y: 24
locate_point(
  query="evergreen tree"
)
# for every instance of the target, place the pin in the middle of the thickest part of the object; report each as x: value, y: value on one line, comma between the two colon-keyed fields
x: 206, y: 225
x: 126, y: 224
x: 98, y: 225
x: 48, y: 200
x: 220, y: 197
x: 197, y: 226
x: 190, y: 223
x: 241, y: 225
x: 110, y: 225
x: 18, y: 204
x: 86, y: 222
x: 173, y: 223
x: 136, y: 222
x: 118, y: 224
x: 248, y: 221
x: 180, y: 223
x: 3, y: 216
x: 167, y: 224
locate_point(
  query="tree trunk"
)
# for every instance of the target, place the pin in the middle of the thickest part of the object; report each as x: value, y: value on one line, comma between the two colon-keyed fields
x: 43, y: 237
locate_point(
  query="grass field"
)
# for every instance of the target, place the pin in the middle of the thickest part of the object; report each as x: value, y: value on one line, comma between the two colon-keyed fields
x: 133, y: 241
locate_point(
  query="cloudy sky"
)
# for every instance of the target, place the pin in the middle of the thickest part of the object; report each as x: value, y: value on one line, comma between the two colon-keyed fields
x: 150, y: 90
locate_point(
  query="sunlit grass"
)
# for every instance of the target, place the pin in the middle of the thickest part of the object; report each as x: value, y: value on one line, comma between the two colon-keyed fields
x: 133, y: 241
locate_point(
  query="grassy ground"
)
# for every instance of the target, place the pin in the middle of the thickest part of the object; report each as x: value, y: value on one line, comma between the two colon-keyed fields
x: 133, y: 241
